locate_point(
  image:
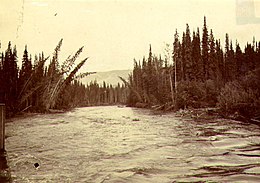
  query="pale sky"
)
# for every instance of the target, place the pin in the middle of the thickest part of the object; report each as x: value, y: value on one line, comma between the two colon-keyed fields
x: 116, y: 31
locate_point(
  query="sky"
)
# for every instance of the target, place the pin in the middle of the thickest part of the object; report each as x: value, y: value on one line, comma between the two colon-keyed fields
x: 114, y: 32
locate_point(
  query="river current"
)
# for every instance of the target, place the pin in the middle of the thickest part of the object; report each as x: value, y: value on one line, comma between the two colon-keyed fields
x: 114, y: 144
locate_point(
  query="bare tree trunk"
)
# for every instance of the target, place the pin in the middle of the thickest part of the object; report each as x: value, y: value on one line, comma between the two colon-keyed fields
x: 172, y: 89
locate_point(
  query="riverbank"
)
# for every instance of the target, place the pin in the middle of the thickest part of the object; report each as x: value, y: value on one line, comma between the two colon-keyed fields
x: 204, y: 113
x: 30, y: 114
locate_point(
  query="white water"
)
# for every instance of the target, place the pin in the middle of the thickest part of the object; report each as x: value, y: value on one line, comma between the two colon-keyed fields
x: 112, y: 144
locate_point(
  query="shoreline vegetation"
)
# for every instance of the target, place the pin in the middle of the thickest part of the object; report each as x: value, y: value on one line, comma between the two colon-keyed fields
x: 42, y: 88
x: 36, y: 87
x: 196, y: 72
x: 200, y: 73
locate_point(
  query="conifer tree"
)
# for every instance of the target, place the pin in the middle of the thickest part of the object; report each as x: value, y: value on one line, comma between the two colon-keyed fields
x: 183, y: 60
x: 205, y: 50
x: 249, y: 55
x: 230, y: 64
x: 226, y: 58
x: 150, y: 73
x: 10, y: 71
x: 240, y: 70
x: 24, y: 79
x: 233, y: 64
x: 177, y: 57
x: 196, y: 56
x: 26, y: 69
x: 212, y: 63
x: 189, y: 75
x: 220, y: 64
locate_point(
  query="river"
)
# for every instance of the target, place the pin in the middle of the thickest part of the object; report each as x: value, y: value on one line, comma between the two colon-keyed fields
x: 121, y: 144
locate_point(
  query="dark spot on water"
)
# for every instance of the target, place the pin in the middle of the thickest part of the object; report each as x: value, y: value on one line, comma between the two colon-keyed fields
x: 36, y: 165
x: 225, y: 153
x: 136, y: 119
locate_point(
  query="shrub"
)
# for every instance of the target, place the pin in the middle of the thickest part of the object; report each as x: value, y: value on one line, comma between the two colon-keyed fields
x: 242, y: 96
x: 191, y: 94
x: 211, y: 93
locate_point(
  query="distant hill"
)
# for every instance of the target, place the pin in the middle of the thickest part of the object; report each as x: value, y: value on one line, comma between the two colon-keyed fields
x: 110, y: 77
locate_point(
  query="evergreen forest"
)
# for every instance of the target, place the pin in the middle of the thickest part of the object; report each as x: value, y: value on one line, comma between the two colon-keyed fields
x: 41, y: 87
x: 199, y: 73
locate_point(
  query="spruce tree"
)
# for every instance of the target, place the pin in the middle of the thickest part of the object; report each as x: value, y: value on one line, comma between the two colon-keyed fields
x: 183, y: 57
x: 25, y: 77
x: 205, y: 49
x: 240, y: 70
x: 212, y: 63
x: 249, y: 55
x: 26, y: 69
x: 232, y: 63
x: 220, y: 64
x: 230, y: 71
x: 177, y: 57
x: 189, y: 75
x: 226, y: 57
x: 10, y: 71
x: 196, y: 56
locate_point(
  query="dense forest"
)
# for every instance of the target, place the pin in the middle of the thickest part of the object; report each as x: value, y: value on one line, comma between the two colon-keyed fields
x: 199, y: 73
x: 106, y: 94
x: 36, y: 87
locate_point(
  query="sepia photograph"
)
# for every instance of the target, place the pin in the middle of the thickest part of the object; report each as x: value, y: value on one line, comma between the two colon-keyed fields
x: 129, y: 91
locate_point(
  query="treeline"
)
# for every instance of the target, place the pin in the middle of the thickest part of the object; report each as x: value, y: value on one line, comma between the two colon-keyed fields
x: 106, y: 94
x: 201, y: 74
x: 36, y: 87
